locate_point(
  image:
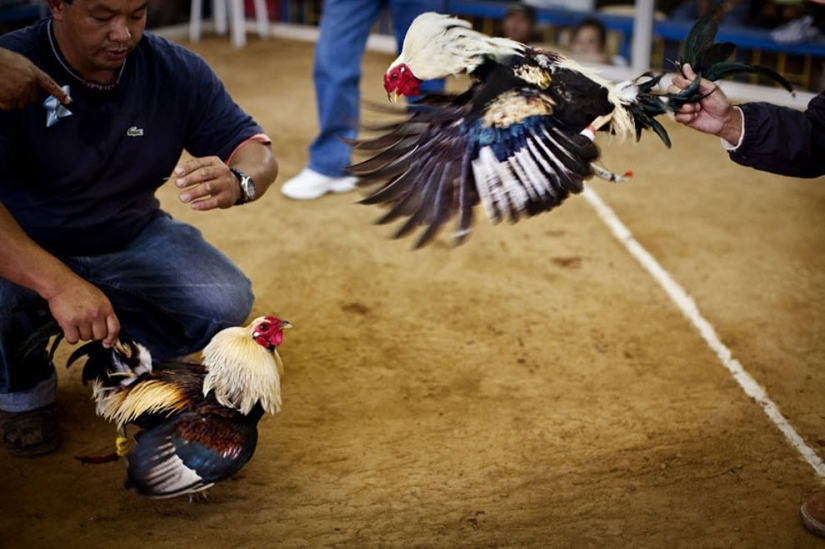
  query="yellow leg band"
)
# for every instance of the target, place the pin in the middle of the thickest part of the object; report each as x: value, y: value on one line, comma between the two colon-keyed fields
x: 122, y: 445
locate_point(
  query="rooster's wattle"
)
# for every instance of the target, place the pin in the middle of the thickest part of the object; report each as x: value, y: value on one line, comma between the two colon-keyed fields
x: 520, y: 139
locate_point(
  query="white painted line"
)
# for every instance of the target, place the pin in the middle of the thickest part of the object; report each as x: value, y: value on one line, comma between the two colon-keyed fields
x: 690, y: 310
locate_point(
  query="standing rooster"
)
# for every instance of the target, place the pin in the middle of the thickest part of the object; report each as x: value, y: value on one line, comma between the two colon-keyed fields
x: 198, y: 421
x: 520, y: 139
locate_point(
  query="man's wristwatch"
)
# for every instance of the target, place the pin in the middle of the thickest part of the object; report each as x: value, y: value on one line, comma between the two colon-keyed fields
x: 248, y: 191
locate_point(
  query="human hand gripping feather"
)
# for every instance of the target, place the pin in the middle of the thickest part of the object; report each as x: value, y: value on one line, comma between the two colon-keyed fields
x: 83, y: 312
x: 713, y: 114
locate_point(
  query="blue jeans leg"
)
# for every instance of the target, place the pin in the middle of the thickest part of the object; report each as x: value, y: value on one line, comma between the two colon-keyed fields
x: 33, y: 383
x: 344, y: 29
x: 172, y: 291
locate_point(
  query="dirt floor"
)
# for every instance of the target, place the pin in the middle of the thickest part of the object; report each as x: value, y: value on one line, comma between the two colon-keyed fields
x: 532, y: 388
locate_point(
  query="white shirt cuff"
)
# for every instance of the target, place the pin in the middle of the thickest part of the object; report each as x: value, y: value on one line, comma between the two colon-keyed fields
x: 727, y: 145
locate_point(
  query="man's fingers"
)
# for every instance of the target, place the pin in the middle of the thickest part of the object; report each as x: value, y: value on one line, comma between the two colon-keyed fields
x: 99, y: 330
x: 193, y: 164
x: 85, y: 332
x: 113, y: 327
x: 205, y: 189
x: 684, y: 118
x: 25, y: 98
x: 679, y: 82
x: 51, y: 87
x: 70, y: 334
x: 207, y: 204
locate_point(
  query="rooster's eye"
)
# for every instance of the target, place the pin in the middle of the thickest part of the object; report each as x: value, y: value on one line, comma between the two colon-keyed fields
x: 264, y: 327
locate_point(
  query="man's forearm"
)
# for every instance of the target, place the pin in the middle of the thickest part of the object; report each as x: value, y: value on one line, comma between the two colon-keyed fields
x: 257, y: 160
x: 25, y: 263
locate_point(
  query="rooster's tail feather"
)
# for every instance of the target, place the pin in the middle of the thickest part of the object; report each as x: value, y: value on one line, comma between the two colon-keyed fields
x: 644, y: 105
x: 120, y: 365
x: 710, y: 60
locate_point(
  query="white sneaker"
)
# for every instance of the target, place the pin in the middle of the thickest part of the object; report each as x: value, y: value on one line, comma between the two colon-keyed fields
x: 310, y: 184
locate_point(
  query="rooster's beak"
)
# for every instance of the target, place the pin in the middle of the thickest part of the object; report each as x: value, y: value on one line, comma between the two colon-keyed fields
x: 393, y: 96
x: 284, y: 324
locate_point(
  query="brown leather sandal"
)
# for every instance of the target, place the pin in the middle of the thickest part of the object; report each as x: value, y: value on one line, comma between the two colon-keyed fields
x: 812, y: 513
x: 32, y: 433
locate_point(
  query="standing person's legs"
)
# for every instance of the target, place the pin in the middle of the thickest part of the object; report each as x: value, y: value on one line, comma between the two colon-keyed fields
x: 344, y: 29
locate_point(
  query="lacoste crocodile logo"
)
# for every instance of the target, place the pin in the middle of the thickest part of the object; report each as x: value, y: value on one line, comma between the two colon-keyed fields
x: 134, y: 131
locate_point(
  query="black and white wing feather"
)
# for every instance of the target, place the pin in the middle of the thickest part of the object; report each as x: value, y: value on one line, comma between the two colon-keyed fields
x: 191, y: 451
x: 508, y: 152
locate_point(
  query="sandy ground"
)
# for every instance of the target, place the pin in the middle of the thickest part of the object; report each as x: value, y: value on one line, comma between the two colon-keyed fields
x: 532, y: 388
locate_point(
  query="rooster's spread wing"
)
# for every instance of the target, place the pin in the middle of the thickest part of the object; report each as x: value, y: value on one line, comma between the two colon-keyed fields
x: 506, y: 150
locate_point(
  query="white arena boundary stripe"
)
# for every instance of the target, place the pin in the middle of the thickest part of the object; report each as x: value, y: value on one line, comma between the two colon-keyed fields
x: 706, y: 330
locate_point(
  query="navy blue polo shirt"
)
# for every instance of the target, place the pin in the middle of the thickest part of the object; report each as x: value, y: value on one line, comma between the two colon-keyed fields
x: 86, y: 185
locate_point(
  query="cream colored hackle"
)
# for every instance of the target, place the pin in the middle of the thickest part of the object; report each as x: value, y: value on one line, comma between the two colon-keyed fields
x: 122, y: 407
x: 117, y: 405
x: 241, y: 372
x: 438, y: 45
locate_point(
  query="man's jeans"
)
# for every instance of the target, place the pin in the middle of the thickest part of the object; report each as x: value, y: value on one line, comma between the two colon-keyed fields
x: 171, y: 290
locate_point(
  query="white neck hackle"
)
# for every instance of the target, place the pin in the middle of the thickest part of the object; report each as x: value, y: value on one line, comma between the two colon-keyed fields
x: 242, y: 373
x: 438, y: 45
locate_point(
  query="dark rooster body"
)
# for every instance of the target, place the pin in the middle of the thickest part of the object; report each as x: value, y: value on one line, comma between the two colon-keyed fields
x: 197, y: 421
x: 519, y: 140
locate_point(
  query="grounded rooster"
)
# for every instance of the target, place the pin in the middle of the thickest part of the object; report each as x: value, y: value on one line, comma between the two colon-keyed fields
x: 197, y: 421
x: 520, y: 139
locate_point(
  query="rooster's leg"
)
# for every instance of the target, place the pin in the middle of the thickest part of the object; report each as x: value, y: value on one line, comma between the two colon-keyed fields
x: 122, y: 445
x: 590, y: 130
x: 122, y: 448
x: 607, y: 175
x: 598, y: 171
x: 601, y: 120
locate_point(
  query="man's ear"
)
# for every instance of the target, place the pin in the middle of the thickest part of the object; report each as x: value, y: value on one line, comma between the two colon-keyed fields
x: 56, y: 7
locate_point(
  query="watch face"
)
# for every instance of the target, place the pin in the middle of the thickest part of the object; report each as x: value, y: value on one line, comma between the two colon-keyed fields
x: 248, y: 188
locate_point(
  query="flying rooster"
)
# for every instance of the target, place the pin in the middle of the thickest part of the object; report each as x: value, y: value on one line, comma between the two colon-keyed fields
x: 197, y: 420
x: 520, y: 138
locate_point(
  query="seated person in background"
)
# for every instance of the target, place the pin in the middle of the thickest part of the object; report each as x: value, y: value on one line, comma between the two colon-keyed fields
x: 519, y: 24
x: 736, y: 12
x: 589, y: 43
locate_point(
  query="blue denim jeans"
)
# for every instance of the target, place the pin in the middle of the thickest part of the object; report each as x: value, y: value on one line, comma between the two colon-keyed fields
x: 344, y: 29
x: 171, y: 290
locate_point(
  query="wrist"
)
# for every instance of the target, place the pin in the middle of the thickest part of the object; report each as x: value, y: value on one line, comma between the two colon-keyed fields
x: 731, y: 130
x: 246, y: 185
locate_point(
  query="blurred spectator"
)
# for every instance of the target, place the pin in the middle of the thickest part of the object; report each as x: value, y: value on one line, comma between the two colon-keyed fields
x: 770, y: 14
x: 736, y: 12
x: 519, y: 24
x: 588, y: 43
